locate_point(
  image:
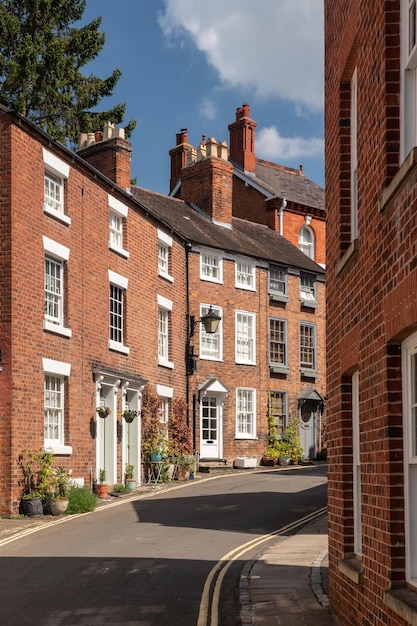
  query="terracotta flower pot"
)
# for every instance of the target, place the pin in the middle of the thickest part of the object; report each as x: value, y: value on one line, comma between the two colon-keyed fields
x: 102, y: 491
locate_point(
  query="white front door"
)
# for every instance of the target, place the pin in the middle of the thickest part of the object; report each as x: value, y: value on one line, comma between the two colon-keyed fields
x: 210, y: 428
x: 308, y: 431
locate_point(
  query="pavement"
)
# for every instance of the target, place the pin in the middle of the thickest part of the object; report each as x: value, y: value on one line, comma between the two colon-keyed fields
x: 286, y: 584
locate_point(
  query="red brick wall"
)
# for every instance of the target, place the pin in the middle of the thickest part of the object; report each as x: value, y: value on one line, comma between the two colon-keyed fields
x: 371, y: 305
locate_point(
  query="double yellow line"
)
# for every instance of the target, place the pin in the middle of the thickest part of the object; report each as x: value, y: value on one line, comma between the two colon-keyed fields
x: 209, y: 609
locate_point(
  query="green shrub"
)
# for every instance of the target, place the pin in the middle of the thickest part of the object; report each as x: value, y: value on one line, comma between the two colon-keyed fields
x: 81, y: 500
x: 121, y: 488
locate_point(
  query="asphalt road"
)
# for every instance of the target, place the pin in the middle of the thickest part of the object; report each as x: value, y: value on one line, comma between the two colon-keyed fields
x: 145, y: 563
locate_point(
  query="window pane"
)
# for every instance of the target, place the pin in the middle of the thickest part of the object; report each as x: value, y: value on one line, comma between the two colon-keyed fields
x: 307, y: 346
x: 278, y: 410
x: 163, y: 334
x: 245, y: 410
x: 116, y: 314
x: 244, y: 338
x: 53, y: 404
x: 53, y: 290
x: 53, y: 192
x: 277, y: 341
x: 277, y: 281
x: 210, y: 266
x: 210, y: 343
x: 162, y: 258
x: 116, y: 230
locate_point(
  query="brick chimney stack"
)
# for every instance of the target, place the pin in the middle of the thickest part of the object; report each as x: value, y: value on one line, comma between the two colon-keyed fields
x: 207, y: 181
x: 179, y: 157
x: 109, y: 152
x: 242, y: 140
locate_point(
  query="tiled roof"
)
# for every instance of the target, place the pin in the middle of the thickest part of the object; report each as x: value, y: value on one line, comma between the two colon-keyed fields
x: 244, y: 237
x: 288, y: 183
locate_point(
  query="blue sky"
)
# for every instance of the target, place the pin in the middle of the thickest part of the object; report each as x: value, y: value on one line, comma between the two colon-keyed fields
x: 190, y: 64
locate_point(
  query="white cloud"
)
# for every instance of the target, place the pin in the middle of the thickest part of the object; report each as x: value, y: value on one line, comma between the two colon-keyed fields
x: 270, y: 145
x: 207, y: 109
x: 274, y: 47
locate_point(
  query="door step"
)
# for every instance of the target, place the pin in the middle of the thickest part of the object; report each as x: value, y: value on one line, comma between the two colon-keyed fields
x: 207, y: 466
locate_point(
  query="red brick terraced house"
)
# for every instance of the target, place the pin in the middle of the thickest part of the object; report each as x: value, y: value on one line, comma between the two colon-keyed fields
x: 102, y: 287
x: 371, y: 199
x: 81, y: 296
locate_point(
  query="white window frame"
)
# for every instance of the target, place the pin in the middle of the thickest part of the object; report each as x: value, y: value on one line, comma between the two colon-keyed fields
x: 60, y: 371
x: 245, y: 274
x: 276, y: 364
x: 409, y: 390
x: 306, y: 241
x: 354, y: 156
x: 304, y: 365
x: 211, y: 266
x: 164, y: 253
x: 308, y: 289
x: 58, y: 254
x: 56, y: 172
x: 408, y: 92
x: 357, y: 487
x: 118, y: 213
x: 211, y: 344
x: 245, y: 338
x: 119, y: 284
x: 245, y: 411
x: 274, y: 281
x: 164, y: 327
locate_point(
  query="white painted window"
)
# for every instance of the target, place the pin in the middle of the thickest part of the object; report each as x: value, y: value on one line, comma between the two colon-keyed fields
x: 117, y: 216
x: 307, y: 346
x: 277, y: 282
x: 56, y: 256
x: 245, y: 338
x: 56, y: 172
x: 55, y: 375
x: 211, y: 344
x: 306, y: 241
x: 409, y: 388
x: 245, y: 274
x: 164, y: 255
x: 164, y: 314
x: 117, y: 294
x: 354, y: 156
x: 245, y: 413
x: 357, y: 489
x: 408, y: 77
x: 308, y: 289
x: 277, y: 342
x: 211, y: 267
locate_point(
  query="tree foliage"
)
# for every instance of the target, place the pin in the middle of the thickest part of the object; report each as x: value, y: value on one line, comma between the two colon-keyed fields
x: 41, y: 56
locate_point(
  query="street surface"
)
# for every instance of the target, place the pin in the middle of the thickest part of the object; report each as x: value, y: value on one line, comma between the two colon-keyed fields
x: 146, y: 562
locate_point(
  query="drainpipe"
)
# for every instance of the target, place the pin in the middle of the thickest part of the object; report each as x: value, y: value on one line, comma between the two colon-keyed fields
x: 281, y: 216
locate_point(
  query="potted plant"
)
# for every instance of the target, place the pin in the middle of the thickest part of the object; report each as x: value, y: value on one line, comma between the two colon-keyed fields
x: 37, y: 480
x: 103, y: 411
x: 129, y: 415
x: 270, y: 456
x: 129, y: 476
x: 59, y: 500
x: 185, y: 466
x: 153, y: 430
x: 284, y: 453
x: 102, y: 491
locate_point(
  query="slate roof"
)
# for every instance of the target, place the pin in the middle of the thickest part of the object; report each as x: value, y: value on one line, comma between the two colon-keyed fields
x: 288, y: 183
x: 245, y: 238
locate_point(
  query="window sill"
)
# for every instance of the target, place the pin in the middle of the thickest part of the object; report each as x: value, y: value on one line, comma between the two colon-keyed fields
x: 348, y: 255
x: 207, y: 357
x: 309, y: 304
x: 279, y: 369
x: 118, y: 347
x: 164, y: 363
x: 61, y: 217
x: 245, y: 287
x: 278, y: 298
x: 218, y: 281
x: 247, y: 437
x: 57, y: 329
x: 167, y: 277
x: 119, y: 250
x: 403, y: 601
x: 399, y: 180
x: 309, y: 373
x: 58, y: 449
x: 351, y: 567
x: 245, y: 362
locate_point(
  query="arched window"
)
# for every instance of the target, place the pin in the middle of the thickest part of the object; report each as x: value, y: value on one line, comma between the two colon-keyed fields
x: 306, y: 241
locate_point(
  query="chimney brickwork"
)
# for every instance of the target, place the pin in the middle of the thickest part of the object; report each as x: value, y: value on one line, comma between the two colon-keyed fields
x: 179, y: 156
x: 109, y: 152
x: 242, y: 140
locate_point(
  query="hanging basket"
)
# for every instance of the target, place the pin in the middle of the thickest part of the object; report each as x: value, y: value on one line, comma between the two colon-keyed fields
x: 103, y: 411
x: 129, y: 416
